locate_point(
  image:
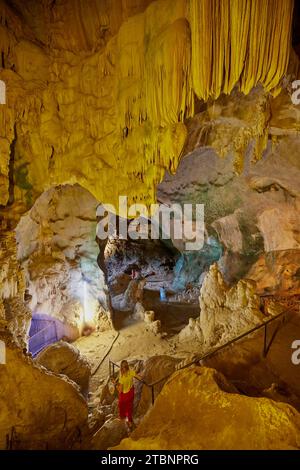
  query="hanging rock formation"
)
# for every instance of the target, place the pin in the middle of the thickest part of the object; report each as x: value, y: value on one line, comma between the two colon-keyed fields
x: 88, y: 99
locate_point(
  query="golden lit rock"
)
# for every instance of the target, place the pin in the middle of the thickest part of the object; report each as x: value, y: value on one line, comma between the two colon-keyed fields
x: 199, y: 409
x: 108, y: 101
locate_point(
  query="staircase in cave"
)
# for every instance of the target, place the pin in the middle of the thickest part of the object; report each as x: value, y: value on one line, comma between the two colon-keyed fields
x: 45, y: 330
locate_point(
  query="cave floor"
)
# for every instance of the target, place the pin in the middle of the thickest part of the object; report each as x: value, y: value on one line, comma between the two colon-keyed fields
x: 174, y: 316
x: 242, y: 363
x: 134, y: 342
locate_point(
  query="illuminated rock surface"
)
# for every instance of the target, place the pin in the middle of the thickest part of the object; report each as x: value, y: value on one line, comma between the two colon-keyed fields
x: 38, y: 409
x: 255, y: 214
x: 15, y: 316
x: 225, y: 312
x: 63, y: 358
x: 113, y: 96
x: 58, y: 251
x: 111, y: 433
x: 199, y: 409
x: 103, y: 101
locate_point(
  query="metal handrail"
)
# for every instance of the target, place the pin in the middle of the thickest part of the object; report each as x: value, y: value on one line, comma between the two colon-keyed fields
x: 234, y: 340
x: 217, y: 349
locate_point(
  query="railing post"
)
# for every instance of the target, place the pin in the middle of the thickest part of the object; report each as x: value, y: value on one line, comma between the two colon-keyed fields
x: 265, y: 340
x: 109, y: 367
x: 152, y: 394
x: 113, y: 369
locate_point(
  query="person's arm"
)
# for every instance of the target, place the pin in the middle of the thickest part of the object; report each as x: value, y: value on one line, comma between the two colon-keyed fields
x: 118, y: 385
x: 139, y: 377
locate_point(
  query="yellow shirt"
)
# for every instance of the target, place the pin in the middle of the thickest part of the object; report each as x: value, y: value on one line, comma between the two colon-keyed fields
x: 126, y: 380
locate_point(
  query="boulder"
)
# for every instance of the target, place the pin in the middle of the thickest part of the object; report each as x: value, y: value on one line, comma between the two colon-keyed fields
x: 199, y: 409
x: 39, y: 409
x: 110, y: 434
x: 154, y: 369
x: 63, y: 358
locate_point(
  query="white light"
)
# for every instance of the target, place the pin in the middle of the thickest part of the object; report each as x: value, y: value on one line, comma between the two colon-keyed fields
x: 89, y: 305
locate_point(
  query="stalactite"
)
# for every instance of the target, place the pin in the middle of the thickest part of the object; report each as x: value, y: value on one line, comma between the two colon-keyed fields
x: 239, y: 42
x: 125, y: 104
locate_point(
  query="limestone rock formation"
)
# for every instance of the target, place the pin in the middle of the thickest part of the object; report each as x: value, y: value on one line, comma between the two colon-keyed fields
x: 253, y: 215
x: 225, y: 312
x: 139, y: 311
x: 110, y: 434
x: 88, y: 97
x: 155, y: 327
x: 153, y: 370
x: 110, y: 96
x: 63, y: 358
x: 277, y: 272
x: 132, y: 295
x: 15, y: 316
x: 199, y: 409
x: 58, y: 251
x: 39, y: 409
x: 149, y: 316
x: 192, y: 331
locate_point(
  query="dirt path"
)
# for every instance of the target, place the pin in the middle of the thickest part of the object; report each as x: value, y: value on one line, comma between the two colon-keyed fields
x: 134, y: 342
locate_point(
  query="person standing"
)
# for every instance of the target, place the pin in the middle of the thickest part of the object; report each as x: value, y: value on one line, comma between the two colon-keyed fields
x: 162, y: 294
x: 126, y: 392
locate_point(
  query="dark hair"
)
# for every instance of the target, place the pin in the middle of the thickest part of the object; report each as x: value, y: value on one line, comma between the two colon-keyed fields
x: 124, y: 364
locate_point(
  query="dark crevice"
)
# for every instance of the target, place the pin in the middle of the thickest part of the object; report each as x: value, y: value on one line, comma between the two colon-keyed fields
x: 296, y: 28
x: 11, y: 178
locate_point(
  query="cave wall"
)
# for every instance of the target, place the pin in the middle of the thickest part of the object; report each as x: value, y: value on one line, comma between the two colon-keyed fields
x: 114, y: 97
x: 58, y: 251
x: 255, y: 214
x: 15, y: 316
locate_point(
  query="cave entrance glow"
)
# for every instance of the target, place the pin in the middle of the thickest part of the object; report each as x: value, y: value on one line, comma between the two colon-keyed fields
x: 66, y: 291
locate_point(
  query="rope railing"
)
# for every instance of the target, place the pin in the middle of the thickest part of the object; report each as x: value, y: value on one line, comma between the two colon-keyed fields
x: 211, y: 353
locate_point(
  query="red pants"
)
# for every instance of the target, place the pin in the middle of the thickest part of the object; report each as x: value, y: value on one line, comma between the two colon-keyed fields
x: 126, y: 404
